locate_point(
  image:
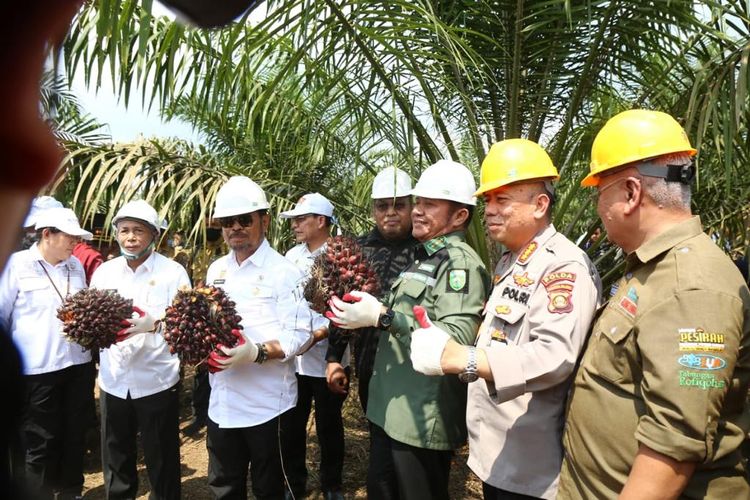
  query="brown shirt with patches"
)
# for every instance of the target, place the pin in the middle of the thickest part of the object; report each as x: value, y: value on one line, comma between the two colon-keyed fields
x: 534, y: 329
x: 667, y: 366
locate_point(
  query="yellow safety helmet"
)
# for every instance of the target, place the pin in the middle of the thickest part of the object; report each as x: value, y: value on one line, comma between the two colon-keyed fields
x: 514, y: 160
x: 635, y: 135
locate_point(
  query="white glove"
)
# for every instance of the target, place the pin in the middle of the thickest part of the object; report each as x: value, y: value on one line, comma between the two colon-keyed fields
x: 142, y: 323
x: 427, y: 344
x: 359, y: 311
x: 242, y: 354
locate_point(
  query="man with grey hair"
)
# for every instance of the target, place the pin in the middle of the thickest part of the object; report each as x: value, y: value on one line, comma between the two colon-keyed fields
x: 668, y: 359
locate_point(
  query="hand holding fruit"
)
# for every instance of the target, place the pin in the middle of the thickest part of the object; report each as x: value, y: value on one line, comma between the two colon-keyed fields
x: 427, y: 344
x: 243, y: 353
x: 356, y: 310
x: 142, y: 323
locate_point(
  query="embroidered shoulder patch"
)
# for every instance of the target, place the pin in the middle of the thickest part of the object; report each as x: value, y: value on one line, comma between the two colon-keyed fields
x: 458, y: 281
x: 559, y: 287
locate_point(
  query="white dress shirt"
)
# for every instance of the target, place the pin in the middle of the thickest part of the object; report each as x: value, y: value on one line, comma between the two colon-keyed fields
x: 265, y: 288
x: 313, y: 362
x: 28, y: 310
x: 142, y: 364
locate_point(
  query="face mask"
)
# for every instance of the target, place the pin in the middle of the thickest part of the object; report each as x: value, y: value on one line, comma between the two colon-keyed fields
x: 136, y: 256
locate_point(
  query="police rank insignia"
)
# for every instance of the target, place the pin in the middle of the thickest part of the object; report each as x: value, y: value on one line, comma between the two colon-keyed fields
x: 559, y: 287
x: 527, y: 252
x: 523, y: 280
x: 457, y: 280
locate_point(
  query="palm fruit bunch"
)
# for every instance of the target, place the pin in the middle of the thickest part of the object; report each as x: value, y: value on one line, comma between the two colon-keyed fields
x: 198, y: 321
x: 339, y: 270
x: 92, y: 318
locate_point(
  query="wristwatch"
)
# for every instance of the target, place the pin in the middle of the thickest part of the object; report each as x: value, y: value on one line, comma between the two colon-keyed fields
x: 470, y: 372
x: 386, y: 319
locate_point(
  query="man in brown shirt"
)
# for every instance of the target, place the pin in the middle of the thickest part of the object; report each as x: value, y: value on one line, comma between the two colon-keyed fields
x: 656, y: 410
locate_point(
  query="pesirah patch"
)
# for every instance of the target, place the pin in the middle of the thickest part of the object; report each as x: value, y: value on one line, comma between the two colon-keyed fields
x: 702, y: 361
x: 458, y: 280
x: 697, y: 339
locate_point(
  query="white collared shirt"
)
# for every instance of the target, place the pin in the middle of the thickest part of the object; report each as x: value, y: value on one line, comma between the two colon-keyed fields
x: 28, y: 310
x: 313, y: 362
x: 266, y: 290
x: 142, y: 364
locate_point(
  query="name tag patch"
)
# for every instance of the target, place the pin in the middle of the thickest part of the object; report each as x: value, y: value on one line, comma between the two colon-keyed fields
x: 516, y: 295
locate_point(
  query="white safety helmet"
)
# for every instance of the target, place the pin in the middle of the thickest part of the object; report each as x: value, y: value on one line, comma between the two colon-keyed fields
x: 391, y: 182
x: 239, y: 195
x: 447, y: 180
x: 141, y: 211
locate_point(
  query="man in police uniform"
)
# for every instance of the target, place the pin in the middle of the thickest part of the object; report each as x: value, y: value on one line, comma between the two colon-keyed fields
x: 658, y: 406
x: 253, y: 387
x: 311, y: 220
x: 389, y: 247
x: 417, y: 420
x: 546, y: 291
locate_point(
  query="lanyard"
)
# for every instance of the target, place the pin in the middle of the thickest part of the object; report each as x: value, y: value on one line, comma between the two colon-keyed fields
x: 67, y: 289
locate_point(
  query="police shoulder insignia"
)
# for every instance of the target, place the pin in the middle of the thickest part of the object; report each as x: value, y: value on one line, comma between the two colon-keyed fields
x: 458, y: 280
x: 559, y: 287
x: 527, y: 252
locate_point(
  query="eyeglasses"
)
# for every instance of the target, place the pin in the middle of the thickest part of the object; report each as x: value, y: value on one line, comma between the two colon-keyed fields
x: 595, y: 194
x: 244, y: 220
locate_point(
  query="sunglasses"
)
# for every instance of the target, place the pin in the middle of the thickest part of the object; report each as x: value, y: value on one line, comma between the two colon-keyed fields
x: 244, y: 220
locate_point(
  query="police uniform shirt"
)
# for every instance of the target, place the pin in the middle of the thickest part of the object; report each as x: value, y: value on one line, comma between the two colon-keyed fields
x: 142, y: 364
x: 313, y: 362
x: 449, y: 280
x: 28, y: 310
x: 534, y: 328
x: 266, y: 290
x: 667, y: 365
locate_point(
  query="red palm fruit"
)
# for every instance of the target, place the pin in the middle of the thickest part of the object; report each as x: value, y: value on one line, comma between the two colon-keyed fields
x: 198, y: 321
x: 92, y: 318
x: 342, y: 268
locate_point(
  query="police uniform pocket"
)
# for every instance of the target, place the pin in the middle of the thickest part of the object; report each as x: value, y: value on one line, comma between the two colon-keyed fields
x: 507, y: 322
x: 611, y: 345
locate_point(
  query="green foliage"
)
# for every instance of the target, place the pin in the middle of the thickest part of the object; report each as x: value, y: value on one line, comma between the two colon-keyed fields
x: 318, y: 95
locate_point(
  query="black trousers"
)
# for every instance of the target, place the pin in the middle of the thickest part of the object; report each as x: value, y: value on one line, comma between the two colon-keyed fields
x: 156, y: 417
x: 201, y: 393
x: 56, y: 416
x: 231, y: 451
x: 492, y: 493
x: 330, y: 430
x: 400, y: 471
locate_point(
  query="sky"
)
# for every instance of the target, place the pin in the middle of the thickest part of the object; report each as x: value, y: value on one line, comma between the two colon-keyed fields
x: 126, y: 124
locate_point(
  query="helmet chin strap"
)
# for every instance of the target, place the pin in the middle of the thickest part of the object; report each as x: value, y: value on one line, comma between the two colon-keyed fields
x: 136, y: 256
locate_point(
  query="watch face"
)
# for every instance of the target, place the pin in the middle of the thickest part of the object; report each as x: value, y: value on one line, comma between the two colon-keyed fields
x: 467, y: 377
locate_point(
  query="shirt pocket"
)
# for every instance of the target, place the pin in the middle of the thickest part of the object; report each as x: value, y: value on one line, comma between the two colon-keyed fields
x: 413, y: 290
x: 508, y: 317
x: 612, y: 339
x: 35, y: 291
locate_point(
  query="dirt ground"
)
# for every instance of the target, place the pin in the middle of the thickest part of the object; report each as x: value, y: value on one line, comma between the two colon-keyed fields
x: 463, y: 484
